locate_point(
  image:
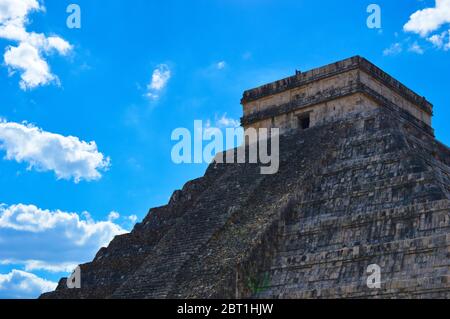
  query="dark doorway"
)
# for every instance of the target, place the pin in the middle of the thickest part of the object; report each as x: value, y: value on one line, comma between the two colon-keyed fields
x: 303, y: 121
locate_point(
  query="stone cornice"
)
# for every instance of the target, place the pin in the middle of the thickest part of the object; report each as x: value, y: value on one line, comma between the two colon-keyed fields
x: 384, y: 102
x: 333, y: 69
x: 396, y: 85
x: 277, y: 110
x: 330, y: 95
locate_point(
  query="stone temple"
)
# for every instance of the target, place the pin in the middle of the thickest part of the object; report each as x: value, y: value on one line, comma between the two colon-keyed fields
x: 362, y: 181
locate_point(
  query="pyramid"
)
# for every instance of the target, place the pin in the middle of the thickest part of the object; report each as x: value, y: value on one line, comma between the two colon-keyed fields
x: 365, y: 183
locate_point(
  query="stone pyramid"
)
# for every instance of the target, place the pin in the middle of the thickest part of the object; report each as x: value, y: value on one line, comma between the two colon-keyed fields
x: 369, y: 187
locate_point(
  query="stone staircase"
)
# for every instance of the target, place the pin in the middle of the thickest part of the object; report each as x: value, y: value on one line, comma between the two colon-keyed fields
x: 347, y: 195
x: 383, y: 203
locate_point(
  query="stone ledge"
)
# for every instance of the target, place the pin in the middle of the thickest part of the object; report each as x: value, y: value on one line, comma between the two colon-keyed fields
x: 333, y: 95
x: 333, y: 69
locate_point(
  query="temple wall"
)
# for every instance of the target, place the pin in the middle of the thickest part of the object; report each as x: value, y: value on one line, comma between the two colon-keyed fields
x: 395, y: 98
x: 304, y: 92
x: 330, y: 92
x: 320, y: 113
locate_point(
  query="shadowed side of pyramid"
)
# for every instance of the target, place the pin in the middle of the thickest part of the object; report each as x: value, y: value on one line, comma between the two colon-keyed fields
x: 361, y: 181
x: 347, y: 195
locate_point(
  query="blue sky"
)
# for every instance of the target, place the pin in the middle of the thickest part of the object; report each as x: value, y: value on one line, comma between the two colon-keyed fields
x: 134, y: 72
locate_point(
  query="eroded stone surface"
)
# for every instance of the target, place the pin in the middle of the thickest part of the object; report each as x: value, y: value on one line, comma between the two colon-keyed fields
x: 369, y: 187
x: 329, y: 93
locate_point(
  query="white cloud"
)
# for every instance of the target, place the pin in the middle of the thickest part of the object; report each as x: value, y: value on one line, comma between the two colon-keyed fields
x: 416, y: 48
x: 437, y: 40
x: 27, y: 56
x: 23, y: 285
x: 394, y: 49
x: 35, y: 70
x: 430, y: 19
x: 36, y: 239
x: 31, y: 219
x: 440, y: 41
x: 221, y: 65
x: 17, y: 10
x: 225, y: 121
x: 51, y: 240
x: 160, y: 78
x: 32, y: 265
x: 67, y: 156
x: 113, y: 216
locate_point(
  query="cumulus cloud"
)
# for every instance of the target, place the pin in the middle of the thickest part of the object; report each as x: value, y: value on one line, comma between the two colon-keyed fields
x: 33, y: 265
x: 441, y: 40
x: 394, y: 49
x: 27, y: 58
x: 160, y: 77
x: 67, y: 156
x: 430, y: 19
x: 53, y: 241
x: 80, y: 232
x: 23, y: 285
x: 40, y: 239
x: 28, y: 55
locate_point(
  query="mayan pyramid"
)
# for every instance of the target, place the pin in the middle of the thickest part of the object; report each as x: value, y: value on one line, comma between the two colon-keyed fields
x: 362, y: 181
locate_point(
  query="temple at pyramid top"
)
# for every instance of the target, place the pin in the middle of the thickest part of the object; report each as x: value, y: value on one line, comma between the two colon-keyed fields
x: 330, y: 93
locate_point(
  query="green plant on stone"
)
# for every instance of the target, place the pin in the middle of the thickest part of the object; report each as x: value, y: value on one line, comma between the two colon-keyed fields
x: 258, y: 284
